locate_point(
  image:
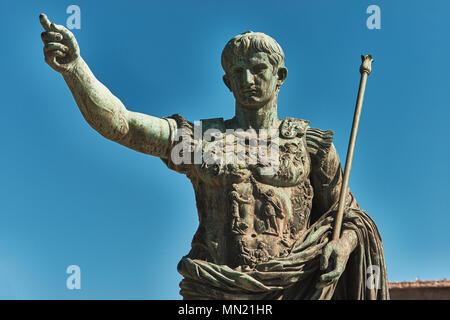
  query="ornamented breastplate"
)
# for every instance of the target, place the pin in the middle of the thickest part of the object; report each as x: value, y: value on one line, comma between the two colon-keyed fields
x: 246, y: 215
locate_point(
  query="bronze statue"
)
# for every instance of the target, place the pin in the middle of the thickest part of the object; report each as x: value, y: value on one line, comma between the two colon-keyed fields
x: 262, y: 234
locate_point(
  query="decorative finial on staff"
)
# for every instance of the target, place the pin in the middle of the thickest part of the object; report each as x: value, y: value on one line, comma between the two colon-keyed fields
x: 366, y: 65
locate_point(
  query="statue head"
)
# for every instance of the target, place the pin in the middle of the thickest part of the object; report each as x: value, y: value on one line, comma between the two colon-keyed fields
x: 254, y: 68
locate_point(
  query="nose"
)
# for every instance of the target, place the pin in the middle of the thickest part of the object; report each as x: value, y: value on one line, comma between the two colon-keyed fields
x: 248, y: 77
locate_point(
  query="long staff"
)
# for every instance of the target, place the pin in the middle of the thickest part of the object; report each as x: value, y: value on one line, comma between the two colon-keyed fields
x: 365, y: 69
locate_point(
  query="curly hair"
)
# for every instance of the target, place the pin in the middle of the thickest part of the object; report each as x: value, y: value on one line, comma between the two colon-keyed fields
x: 253, y: 42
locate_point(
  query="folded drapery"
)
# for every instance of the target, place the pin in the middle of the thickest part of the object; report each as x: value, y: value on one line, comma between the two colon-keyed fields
x: 296, y: 275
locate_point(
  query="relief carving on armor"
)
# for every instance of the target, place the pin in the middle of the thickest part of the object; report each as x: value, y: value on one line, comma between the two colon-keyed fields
x: 249, y: 258
x: 236, y: 200
x: 292, y: 159
x: 271, y: 210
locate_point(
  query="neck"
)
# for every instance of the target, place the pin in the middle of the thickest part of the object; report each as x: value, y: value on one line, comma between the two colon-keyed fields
x: 265, y: 117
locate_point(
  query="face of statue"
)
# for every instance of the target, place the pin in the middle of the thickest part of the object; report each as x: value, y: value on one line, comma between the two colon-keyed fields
x: 252, y: 80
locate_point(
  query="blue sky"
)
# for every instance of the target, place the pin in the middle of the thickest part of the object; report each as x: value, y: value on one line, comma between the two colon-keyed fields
x: 69, y: 196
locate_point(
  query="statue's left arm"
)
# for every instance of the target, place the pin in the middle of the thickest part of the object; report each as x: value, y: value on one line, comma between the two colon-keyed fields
x: 326, y: 178
x: 360, y: 245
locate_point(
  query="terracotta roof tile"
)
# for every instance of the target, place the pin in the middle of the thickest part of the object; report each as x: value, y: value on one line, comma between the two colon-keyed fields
x: 420, y: 284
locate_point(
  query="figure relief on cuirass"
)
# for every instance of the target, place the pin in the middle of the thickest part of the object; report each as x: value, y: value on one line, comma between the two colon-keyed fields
x: 265, y: 220
x: 235, y: 201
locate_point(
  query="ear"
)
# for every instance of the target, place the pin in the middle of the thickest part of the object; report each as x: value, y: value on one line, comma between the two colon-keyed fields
x: 227, y: 82
x: 282, y: 75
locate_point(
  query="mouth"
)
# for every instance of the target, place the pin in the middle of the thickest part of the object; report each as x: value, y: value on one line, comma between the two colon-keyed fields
x: 252, y: 91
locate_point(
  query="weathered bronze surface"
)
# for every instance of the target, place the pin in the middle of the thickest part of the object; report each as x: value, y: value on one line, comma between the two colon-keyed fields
x: 263, y: 234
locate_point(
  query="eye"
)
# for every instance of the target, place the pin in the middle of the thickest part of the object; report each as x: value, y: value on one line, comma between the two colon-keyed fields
x: 259, y: 68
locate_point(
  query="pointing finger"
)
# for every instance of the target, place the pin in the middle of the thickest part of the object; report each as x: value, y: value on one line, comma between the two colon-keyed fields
x: 44, y: 22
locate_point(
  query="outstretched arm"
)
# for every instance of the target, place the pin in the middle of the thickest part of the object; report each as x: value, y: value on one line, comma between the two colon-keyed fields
x: 102, y: 110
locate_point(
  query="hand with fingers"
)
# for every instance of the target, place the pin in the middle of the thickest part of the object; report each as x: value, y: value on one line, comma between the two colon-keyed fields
x: 334, y: 258
x: 61, y: 49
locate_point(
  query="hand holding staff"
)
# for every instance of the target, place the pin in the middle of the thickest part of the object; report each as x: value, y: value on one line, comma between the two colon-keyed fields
x: 365, y: 69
